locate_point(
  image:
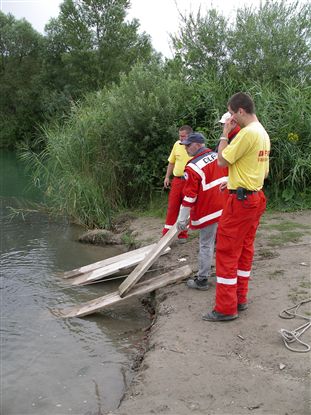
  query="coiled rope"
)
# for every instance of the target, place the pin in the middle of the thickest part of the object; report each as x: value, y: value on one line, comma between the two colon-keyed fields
x: 293, y: 336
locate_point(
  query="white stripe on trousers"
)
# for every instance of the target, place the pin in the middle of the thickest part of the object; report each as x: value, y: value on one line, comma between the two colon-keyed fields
x: 245, y: 274
x: 226, y: 281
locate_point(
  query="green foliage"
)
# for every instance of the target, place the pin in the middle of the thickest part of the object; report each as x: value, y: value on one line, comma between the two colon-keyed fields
x: 19, y: 68
x: 272, y: 43
x: 201, y: 43
x: 89, y: 44
x: 270, y: 47
x: 140, y: 123
x: 285, y: 112
x: 87, y: 47
x: 65, y: 170
x: 112, y: 151
x: 207, y: 104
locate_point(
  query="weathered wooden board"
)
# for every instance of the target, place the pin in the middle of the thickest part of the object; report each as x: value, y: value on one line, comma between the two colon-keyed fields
x: 108, y: 261
x: 114, y: 268
x: 114, y: 298
x: 141, y: 268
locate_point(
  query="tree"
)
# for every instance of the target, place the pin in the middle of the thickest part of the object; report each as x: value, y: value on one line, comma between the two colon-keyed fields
x: 20, y: 68
x: 201, y: 43
x: 86, y: 48
x: 269, y: 43
x: 273, y: 42
x: 90, y: 44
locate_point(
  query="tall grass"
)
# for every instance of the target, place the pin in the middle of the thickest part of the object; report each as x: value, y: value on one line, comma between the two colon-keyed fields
x: 285, y: 111
x: 74, y: 171
x: 286, y: 114
x: 112, y: 151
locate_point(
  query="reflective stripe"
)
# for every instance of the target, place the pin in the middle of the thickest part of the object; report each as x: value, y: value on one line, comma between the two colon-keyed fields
x: 190, y: 199
x: 207, y: 186
x: 226, y: 281
x: 197, y: 170
x: 216, y: 182
x: 168, y: 226
x: 243, y: 273
x: 206, y: 218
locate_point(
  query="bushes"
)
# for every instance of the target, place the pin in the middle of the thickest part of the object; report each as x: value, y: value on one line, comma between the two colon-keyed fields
x: 140, y: 124
x: 68, y: 171
x: 290, y: 131
x: 285, y: 112
x: 265, y: 52
x: 84, y: 49
x: 112, y: 151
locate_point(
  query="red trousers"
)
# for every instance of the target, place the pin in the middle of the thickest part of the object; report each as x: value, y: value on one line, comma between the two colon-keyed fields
x: 174, y: 202
x: 235, y: 250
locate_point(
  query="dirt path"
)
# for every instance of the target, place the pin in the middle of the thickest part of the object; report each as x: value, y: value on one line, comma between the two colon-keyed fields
x: 238, y: 367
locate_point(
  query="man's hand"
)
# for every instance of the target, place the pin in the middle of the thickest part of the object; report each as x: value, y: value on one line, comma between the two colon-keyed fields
x: 166, y: 182
x: 183, y: 218
x: 169, y: 172
x: 182, y: 225
x: 223, y: 186
x: 229, y: 125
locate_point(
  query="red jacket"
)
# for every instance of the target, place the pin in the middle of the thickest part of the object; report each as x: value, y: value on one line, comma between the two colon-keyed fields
x: 201, y: 192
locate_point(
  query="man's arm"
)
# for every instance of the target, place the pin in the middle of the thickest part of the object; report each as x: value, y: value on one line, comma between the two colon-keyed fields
x: 190, y: 196
x: 223, y: 143
x: 169, y: 171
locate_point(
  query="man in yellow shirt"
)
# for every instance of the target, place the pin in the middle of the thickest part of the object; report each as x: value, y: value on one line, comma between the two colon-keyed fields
x: 247, y: 158
x: 176, y: 166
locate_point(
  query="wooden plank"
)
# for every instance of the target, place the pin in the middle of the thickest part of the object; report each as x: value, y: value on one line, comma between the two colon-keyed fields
x: 113, y: 298
x: 106, y: 262
x: 100, y: 273
x: 141, y: 268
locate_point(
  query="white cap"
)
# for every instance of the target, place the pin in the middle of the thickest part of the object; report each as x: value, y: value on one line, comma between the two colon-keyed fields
x: 225, y: 117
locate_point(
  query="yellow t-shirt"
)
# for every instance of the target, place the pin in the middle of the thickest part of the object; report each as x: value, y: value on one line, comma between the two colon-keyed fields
x: 248, y: 157
x: 179, y: 157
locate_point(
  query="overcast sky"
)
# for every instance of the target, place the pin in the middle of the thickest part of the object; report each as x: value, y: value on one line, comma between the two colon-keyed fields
x: 158, y: 18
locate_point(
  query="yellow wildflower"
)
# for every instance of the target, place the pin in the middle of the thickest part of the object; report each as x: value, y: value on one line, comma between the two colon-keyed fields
x: 293, y: 137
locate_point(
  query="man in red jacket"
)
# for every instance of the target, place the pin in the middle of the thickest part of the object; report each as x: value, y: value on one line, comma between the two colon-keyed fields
x: 203, y: 201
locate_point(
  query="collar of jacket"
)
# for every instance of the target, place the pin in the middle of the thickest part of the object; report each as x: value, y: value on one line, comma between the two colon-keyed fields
x: 234, y: 132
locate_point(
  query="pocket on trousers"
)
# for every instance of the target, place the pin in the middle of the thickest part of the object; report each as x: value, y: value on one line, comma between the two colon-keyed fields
x: 251, y: 202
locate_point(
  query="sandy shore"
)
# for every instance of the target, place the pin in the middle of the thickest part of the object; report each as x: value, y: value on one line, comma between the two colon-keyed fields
x: 238, y: 367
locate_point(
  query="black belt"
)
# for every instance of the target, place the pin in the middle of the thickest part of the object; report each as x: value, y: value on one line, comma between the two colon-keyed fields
x: 245, y: 191
x: 180, y: 177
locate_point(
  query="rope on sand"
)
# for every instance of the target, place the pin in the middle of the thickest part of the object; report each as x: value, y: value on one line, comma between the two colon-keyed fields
x: 293, y: 336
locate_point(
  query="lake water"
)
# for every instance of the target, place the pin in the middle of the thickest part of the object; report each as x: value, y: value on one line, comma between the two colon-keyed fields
x: 49, y: 365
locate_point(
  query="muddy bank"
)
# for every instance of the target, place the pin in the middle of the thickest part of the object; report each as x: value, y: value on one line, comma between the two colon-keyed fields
x: 238, y: 367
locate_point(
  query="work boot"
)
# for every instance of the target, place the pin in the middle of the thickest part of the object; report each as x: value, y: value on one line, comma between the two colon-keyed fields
x: 242, y: 306
x: 215, y: 316
x: 199, y: 284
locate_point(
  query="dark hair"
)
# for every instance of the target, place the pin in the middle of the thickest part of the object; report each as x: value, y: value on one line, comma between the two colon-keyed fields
x: 241, y: 100
x: 186, y: 128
